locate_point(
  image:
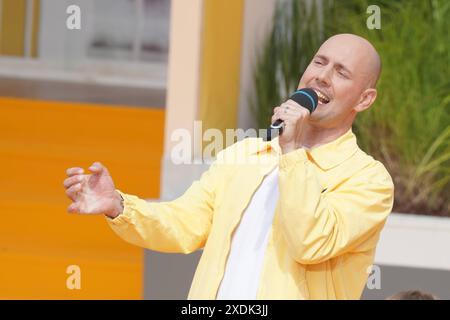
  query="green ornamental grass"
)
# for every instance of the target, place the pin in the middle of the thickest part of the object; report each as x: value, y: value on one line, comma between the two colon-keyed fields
x: 408, y: 127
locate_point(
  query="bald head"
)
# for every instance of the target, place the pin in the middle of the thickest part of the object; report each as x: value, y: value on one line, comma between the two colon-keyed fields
x: 360, y: 53
x: 344, y: 73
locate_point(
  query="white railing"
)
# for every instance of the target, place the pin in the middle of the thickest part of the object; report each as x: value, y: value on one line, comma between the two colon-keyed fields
x: 416, y: 241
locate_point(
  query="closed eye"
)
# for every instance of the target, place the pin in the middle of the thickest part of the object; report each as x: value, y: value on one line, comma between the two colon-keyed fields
x: 343, y: 74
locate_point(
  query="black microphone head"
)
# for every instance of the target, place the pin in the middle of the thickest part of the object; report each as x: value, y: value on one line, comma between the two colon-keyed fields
x: 307, y: 98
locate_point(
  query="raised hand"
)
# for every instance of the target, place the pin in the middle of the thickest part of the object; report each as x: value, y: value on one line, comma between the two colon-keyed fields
x: 92, y: 193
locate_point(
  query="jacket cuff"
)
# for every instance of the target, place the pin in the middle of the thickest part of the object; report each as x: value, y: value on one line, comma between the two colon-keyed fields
x: 292, y: 158
x: 125, y: 216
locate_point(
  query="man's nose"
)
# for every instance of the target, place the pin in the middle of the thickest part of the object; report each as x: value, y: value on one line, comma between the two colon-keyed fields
x: 324, y: 76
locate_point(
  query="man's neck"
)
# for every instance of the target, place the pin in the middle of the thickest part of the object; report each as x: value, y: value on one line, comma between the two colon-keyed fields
x: 315, y: 136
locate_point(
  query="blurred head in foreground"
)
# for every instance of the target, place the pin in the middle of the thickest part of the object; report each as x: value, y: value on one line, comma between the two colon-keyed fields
x: 413, y: 295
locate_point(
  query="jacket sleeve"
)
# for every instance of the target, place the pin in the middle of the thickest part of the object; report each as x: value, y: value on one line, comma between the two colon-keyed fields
x: 178, y: 226
x: 319, y: 226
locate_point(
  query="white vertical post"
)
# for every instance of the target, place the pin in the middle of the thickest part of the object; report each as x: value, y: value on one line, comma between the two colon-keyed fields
x: 185, y: 47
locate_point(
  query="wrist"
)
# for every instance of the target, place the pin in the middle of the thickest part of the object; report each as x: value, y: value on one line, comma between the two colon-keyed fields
x: 118, y: 206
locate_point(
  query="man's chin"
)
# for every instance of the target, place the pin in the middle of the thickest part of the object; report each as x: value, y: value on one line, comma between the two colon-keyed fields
x: 318, y: 114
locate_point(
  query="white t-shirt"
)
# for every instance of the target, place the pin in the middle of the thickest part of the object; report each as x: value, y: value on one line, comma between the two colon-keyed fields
x: 245, y: 260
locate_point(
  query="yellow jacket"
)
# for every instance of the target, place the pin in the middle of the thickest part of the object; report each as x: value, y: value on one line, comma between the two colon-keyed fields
x: 334, y: 201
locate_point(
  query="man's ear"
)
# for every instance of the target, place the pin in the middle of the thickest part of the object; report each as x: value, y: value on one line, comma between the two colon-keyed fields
x: 367, y: 99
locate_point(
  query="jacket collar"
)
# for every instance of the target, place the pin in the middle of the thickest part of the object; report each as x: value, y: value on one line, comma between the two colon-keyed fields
x: 326, y: 156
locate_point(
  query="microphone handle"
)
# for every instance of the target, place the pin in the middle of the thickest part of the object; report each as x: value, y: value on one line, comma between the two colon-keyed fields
x: 277, y: 125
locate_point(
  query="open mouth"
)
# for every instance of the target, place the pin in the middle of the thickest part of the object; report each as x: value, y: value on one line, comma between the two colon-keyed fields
x: 323, y: 98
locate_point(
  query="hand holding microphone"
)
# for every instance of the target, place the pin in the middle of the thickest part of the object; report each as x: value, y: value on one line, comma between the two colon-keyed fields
x: 288, y: 119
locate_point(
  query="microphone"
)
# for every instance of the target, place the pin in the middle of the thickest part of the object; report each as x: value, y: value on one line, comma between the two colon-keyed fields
x: 306, y: 97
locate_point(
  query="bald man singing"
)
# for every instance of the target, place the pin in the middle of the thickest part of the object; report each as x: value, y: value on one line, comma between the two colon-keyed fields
x: 300, y: 218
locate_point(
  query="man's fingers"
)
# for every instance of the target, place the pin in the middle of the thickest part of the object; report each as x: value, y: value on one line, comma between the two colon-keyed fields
x: 73, y: 180
x: 74, y: 170
x: 276, y: 116
x: 97, y: 167
x: 286, y: 117
x: 73, y: 190
x: 280, y: 114
x: 73, y: 208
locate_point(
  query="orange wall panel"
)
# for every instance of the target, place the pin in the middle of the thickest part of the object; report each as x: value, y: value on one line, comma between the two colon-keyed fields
x: 39, y: 140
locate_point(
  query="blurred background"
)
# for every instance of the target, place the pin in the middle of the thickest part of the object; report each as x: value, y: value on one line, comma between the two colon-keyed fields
x: 115, y: 90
